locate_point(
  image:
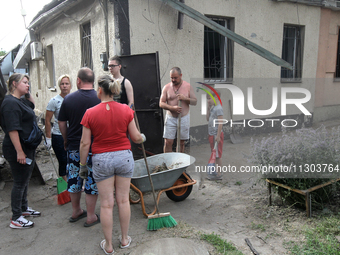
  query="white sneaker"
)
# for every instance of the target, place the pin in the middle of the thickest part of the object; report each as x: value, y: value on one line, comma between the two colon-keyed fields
x: 30, y: 212
x: 21, y: 222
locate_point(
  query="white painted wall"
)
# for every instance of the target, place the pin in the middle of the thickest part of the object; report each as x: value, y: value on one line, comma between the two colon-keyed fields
x: 259, y: 21
x: 153, y: 27
x: 65, y: 37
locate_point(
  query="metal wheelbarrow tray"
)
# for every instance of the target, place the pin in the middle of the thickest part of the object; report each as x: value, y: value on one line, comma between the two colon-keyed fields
x: 175, y: 182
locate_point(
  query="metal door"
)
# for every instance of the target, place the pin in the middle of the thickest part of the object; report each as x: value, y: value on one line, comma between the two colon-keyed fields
x: 143, y: 72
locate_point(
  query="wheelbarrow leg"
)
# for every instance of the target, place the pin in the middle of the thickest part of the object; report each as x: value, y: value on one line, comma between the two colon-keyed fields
x: 142, y: 200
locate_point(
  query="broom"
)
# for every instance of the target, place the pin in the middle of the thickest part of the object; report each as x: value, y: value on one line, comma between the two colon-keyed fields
x: 158, y: 220
x: 63, y: 194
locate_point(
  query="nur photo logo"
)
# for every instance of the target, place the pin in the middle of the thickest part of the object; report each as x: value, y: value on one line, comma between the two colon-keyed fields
x: 280, y: 98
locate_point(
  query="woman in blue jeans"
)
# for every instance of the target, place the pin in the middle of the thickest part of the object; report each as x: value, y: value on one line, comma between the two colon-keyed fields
x: 53, y: 108
x: 17, y: 119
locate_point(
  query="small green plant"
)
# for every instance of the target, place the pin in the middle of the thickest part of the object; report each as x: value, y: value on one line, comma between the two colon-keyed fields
x: 239, y: 183
x: 258, y: 226
x: 221, y: 246
x: 320, y: 238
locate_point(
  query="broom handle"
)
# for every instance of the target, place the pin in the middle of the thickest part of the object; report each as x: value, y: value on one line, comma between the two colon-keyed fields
x: 55, y: 169
x: 146, y: 162
x: 179, y: 129
x: 49, y: 151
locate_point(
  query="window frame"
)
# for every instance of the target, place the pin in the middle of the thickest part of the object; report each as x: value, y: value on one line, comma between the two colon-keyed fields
x: 50, y: 66
x: 86, y: 45
x: 228, y: 52
x: 295, y: 54
x: 337, y: 64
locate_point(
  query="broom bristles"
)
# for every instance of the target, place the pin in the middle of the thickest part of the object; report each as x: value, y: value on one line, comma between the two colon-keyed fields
x: 64, y: 198
x: 161, y: 220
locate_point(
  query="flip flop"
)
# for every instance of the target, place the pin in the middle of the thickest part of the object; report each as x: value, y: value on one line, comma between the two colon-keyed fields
x: 124, y: 246
x: 83, y: 215
x: 102, y: 245
x: 93, y: 223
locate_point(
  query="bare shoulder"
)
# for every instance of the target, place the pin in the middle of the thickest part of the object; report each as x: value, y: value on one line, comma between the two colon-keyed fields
x: 166, y: 87
x: 127, y: 82
x: 186, y: 84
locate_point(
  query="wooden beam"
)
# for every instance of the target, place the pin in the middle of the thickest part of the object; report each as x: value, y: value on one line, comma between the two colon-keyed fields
x: 307, y: 2
x: 192, y: 13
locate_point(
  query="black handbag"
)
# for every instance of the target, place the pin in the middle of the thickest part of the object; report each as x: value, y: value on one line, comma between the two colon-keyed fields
x: 35, y: 137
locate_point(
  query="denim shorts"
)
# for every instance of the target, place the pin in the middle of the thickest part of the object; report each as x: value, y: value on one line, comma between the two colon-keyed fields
x: 108, y: 164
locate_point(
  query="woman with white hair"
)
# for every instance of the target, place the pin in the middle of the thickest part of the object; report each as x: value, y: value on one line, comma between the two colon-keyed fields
x: 56, y: 139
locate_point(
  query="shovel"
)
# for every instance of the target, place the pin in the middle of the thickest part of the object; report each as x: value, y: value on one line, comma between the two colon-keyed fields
x: 235, y: 138
x: 178, y: 147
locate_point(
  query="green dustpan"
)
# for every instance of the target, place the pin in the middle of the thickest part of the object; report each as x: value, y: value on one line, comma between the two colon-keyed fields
x: 63, y: 195
x: 61, y: 185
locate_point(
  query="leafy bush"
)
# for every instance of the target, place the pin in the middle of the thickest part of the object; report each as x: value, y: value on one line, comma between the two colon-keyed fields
x: 304, y: 146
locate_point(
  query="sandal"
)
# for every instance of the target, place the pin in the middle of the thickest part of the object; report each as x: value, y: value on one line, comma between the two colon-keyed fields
x: 83, y: 215
x: 102, y: 245
x: 124, y: 246
x: 93, y: 223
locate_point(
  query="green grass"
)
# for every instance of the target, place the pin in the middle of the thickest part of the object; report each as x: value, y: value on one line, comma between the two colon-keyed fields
x: 221, y: 246
x: 320, y: 238
x: 258, y: 226
x: 239, y: 183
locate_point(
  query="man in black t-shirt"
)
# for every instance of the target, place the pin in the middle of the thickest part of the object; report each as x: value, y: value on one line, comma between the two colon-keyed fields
x: 72, y: 111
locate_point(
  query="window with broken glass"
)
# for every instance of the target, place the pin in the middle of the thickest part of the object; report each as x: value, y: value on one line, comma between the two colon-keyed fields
x: 218, y: 53
x: 337, y: 70
x: 292, y: 52
x: 86, y: 46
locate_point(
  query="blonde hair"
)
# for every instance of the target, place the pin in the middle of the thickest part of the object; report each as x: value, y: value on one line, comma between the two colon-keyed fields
x: 17, y: 78
x: 62, y: 77
x: 109, y: 86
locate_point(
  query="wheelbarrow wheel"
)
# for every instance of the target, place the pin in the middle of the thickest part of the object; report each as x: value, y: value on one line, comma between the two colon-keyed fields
x: 179, y: 194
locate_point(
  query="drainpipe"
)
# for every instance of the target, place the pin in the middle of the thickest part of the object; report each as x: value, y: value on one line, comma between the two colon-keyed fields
x: 103, y: 4
x: 180, y: 18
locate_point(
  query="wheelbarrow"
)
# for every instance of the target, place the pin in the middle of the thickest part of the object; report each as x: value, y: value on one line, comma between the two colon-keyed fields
x: 176, y: 183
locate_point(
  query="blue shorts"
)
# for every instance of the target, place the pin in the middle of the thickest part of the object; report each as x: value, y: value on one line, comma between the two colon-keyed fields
x: 105, y: 165
x: 74, y: 182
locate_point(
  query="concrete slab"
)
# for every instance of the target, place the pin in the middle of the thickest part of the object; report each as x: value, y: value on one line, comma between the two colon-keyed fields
x: 170, y: 246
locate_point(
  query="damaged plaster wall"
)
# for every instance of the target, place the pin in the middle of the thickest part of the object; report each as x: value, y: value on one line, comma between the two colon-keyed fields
x: 258, y: 21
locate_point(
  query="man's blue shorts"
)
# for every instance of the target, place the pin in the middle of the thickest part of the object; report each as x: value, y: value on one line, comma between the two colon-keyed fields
x: 74, y: 182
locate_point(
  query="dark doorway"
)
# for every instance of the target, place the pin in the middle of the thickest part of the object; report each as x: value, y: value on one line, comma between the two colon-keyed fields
x: 143, y: 72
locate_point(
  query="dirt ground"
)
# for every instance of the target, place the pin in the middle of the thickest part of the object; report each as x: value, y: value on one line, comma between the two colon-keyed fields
x: 235, y: 208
